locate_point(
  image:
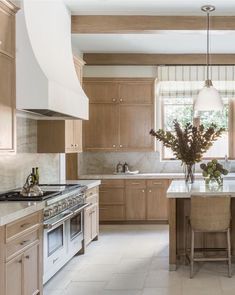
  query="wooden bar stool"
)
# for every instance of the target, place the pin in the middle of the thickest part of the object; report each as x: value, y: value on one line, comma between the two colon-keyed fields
x: 210, y: 214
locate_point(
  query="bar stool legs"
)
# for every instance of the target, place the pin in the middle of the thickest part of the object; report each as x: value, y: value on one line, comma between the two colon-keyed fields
x: 192, y: 255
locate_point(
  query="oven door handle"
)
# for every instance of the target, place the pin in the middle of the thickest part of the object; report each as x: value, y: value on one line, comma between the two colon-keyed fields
x: 80, y: 208
x: 53, y: 224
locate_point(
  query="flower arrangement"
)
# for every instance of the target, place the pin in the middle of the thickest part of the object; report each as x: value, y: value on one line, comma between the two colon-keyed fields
x: 188, y: 143
x: 213, y: 171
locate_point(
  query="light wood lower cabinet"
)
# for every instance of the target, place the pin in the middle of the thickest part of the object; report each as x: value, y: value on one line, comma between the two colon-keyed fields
x: 133, y: 200
x: 91, y: 216
x: 135, y: 204
x: 21, y: 256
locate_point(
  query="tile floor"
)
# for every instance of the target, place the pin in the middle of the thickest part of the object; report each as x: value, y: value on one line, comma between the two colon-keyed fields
x: 133, y: 260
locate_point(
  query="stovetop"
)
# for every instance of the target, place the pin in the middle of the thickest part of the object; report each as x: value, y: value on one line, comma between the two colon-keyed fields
x: 49, y: 191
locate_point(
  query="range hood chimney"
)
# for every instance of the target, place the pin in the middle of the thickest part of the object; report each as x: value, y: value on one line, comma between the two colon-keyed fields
x: 46, y: 80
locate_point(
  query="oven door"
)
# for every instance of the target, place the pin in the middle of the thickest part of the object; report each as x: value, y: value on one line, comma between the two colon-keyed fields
x: 75, y: 230
x: 55, y: 244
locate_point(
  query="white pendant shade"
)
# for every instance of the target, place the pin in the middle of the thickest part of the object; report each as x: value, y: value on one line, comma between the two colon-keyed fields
x: 208, y: 100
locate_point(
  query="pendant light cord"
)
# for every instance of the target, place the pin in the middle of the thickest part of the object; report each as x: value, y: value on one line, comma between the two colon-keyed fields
x: 208, y: 46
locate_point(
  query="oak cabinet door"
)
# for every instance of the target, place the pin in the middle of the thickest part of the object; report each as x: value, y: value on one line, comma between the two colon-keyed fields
x: 32, y: 273
x: 135, y: 124
x: 157, y: 206
x: 14, y: 276
x: 135, y: 204
x: 101, y: 130
x: 69, y: 135
x: 7, y: 23
x: 77, y: 131
x: 94, y: 221
x: 111, y: 212
x: 87, y: 225
x: 138, y: 92
x: 101, y: 91
x: 7, y: 103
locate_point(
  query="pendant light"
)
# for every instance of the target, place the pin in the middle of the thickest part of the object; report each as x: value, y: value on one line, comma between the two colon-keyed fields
x: 208, y: 98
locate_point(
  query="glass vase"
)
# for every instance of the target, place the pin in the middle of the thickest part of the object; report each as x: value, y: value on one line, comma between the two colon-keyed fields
x: 189, y: 172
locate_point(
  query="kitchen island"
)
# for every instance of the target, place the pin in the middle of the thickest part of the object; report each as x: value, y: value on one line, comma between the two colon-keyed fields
x: 179, y: 194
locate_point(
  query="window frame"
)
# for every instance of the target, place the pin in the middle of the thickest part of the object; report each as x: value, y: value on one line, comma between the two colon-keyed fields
x: 196, y: 121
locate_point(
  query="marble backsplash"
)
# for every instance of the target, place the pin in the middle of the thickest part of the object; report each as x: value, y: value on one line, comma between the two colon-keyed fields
x: 145, y: 162
x: 14, y: 168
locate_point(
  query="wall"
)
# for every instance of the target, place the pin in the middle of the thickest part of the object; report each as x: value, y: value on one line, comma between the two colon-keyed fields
x: 15, y: 168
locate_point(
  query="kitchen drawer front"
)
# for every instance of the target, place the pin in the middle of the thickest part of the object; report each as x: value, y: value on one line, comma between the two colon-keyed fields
x: 93, y: 199
x: 92, y: 191
x: 112, y: 183
x: 14, y: 229
x: 112, y: 196
x: 111, y: 212
x: 7, y: 23
x: 157, y: 183
x: 136, y: 183
x: 19, y: 244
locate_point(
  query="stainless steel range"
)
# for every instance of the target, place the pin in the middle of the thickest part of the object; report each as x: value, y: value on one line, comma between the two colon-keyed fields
x: 63, y: 226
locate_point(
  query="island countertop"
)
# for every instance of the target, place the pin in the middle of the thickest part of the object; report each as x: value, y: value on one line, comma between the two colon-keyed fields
x: 179, y: 189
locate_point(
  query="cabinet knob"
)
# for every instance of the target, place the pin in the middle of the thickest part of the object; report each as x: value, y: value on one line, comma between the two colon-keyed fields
x: 20, y: 261
x: 114, y: 145
x: 25, y: 224
x: 27, y: 257
x: 114, y: 99
x: 71, y: 144
x: 150, y: 191
x: 24, y: 242
x: 121, y: 99
x: 143, y: 191
x: 76, y: 145
x: 120, y: 145
x: 0, y: 42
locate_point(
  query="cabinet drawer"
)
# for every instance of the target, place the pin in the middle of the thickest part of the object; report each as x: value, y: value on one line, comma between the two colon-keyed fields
x: 15, y: 246
x: 112, y: 196
x: 91, y: 192
x: 7, y: 23
x: 15, y: 228
x: 111, y: 212
x: 93, y: 199
x: 137, y: 183
x: 157, y: 183
x: 112, y: 183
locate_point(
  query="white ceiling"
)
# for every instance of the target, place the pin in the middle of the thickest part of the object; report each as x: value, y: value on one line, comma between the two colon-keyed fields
x: 149, y: 7
x: 170, y: 42
x: 163, y: 42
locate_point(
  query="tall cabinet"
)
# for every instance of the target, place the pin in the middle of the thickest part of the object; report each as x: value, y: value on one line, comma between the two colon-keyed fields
x: 7, y: 76
x: 121, y: 114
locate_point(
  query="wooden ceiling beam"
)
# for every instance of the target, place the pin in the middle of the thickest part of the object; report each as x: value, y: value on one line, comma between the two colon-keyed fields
x: 124, y: 24
x: 156, y: 59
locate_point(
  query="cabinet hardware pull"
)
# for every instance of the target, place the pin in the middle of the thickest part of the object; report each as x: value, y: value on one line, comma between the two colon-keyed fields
x: 135, y: 183
x: 76, y: 145
x: 0, y: 42
x: 157, y: 183
x: 20, y: 261
x: 71, y: 144
x: 150, y: 191
x: 27, y: 257
x: 114, y: 145
x: 120, y: 145
x: 54, y: 260
x: 121, y: 99
x: 24, y: 242
x: 25, y: 224
x: 143, y: 191
x: 114, y: 99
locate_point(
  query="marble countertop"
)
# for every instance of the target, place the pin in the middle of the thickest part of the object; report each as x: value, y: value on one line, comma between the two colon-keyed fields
x: 144, y: 176
x: 179, y: 189
x: 11, y: 211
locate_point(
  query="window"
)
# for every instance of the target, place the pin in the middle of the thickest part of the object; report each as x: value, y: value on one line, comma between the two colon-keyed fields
x: 182, y: 110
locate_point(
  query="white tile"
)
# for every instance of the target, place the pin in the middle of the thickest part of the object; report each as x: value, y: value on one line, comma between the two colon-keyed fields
x: 162, y: 291
x: 81, y: 288
x: 121, y: 292
x: 133, y: 265
x: 59, y: 281
x: 162, y: 279
x: 159, y: 263
x: 126, y: 281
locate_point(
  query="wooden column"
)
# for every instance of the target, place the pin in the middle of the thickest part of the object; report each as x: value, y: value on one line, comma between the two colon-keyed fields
x: 172, y: 234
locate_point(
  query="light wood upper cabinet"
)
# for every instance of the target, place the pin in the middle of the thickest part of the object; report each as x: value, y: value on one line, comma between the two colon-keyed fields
x: 121, y: 114
x: 7, y: 29
x: 101, y: 91
x: 101, y: 131
x: 135, y: 124
x: 7, y: 103
x: 136, y: 92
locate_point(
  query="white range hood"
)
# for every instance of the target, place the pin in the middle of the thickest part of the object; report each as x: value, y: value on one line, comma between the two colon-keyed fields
x: 46, y: 80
